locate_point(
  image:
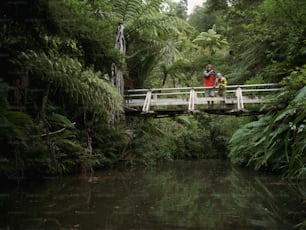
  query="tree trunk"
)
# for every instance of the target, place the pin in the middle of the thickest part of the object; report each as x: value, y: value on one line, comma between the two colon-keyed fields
x: 120, y: 44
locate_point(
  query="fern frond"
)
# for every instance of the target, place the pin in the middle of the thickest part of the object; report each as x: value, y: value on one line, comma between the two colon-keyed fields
x: 84, y: 87
x: 301, y: 95
x: 134, y: 9
x: 62, y: 120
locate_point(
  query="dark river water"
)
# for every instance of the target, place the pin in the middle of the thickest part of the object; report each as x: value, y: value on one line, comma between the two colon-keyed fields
x: 208, y: 194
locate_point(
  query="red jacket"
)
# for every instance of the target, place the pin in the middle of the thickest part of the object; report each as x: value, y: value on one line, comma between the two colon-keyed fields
x: 209, y: 79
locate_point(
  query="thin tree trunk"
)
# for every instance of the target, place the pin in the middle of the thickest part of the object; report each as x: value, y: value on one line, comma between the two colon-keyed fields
x: 120, y: 44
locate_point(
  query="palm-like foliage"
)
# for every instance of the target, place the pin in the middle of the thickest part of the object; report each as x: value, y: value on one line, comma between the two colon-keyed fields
x: 211, y: 40
x: 145, y: 18
x: 57, y: 145
x: 83, y: 87
x: 277, y: 141
x: 52, y: 60
x: 240, y: 148
x: 147, y: 30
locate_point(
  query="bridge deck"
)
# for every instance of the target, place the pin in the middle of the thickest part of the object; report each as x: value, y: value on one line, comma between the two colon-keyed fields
x: 191, y: 100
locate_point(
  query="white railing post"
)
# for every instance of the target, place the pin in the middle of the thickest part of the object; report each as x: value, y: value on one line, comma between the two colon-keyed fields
x: 240, y: 105
x: 147, y: 101
x: 155, y: 99
x: 191, y: 100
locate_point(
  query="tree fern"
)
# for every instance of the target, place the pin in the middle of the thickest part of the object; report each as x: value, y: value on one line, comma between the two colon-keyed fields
x: 84, y: 87
x: 133, y: 10
x: 147, y: 30
x: 211, y: 40
x: 61, y: 120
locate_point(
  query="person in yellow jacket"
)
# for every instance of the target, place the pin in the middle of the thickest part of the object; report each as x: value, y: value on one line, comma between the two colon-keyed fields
x: 221, y: 83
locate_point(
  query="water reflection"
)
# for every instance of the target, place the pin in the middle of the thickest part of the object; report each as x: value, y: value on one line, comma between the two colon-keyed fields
x: 179, y: 195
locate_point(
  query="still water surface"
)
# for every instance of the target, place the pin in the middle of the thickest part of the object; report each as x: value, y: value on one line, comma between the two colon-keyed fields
x: 208, y: 194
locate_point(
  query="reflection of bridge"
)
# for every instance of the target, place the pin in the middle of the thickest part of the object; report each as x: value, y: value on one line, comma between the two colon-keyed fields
x: 158, y: 102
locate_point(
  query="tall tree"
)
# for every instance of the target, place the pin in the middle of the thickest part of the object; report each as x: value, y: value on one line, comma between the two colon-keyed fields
x: 181, y: 9
x: 214, y: 6
x: 201, y: 19
x: 146, y: 30
x: 120, y: 44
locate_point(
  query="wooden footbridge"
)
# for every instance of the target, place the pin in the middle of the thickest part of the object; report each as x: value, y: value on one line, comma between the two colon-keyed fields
x: 160, y: 102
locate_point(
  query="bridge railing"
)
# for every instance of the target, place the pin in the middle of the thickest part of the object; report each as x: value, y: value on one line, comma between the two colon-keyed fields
x: 193, y: 97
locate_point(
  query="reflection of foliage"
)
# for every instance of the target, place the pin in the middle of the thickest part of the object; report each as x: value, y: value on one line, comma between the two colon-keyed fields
x: 58, y: 199
x: 265, y: 215
x: 200, y: 194
x: 189, y: 195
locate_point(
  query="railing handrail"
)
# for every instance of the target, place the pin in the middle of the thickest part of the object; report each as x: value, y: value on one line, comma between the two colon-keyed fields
x: 201, y: 87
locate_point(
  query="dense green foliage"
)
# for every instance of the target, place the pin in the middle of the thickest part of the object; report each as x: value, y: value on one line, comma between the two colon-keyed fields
x: 277, y: 141
x: 60, y: 112
x: 180, y: 138
x: 267, y: 44
x: 55, y: 65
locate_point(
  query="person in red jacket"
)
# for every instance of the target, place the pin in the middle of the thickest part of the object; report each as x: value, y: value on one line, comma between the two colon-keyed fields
x: 209, y: 82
